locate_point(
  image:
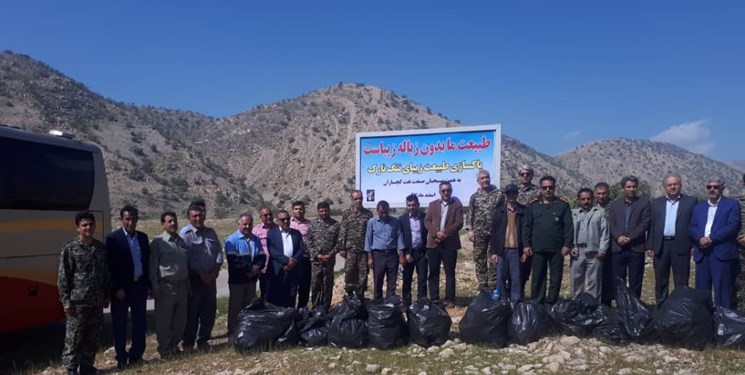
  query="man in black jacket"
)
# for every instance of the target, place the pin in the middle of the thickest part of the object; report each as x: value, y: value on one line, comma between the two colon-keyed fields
x: 506, y: 248
x: 415, y: 254
x: 128, y: 254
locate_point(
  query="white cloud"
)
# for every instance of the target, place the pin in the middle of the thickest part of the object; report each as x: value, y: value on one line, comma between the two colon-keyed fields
x: 572, y: 135
x: 693, y: 136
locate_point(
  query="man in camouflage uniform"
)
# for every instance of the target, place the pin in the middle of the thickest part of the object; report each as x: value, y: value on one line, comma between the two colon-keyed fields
x: 84, y: 284
x: 481, y: 211
x: 527, y: 192
x: 740, y: 281
x: 323, y: 235
x: 351, y: 245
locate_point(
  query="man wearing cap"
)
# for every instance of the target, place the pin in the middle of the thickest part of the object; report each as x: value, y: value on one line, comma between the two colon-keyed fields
x: 481, y: 212
x: 506, y: 248
x: 527, y: 193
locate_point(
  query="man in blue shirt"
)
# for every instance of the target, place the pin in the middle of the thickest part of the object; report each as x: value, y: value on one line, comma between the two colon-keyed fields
x: 383, y: 239
x: 245, y: 260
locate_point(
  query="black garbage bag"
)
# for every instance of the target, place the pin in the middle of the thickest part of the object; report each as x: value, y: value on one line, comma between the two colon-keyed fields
x: 311, y: 326
x: 611, y: 329
x: 347, y: 327
x: 686, y: 318
x: 486, y: 321
x: 729, y: 328
x: 386, y: 327
x: 578, y: 316
x: 429, y: 323
x: 529, y: 322
x: 636, y: 316
x: 262, y: 325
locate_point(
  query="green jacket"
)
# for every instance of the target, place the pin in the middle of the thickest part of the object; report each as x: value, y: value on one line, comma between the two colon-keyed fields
x: 548, y: 226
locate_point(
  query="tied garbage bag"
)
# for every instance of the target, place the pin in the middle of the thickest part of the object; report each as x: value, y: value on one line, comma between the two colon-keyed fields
x: 261, y: 325
x: 386, y: 327
x: 729, y: 328
x: 347, y: 327
x: 576, y: 317
x: 530, y: 321
x: 486, y: 321
x: 686, y: 318
x: 611, y: 329
x: 429, y: 323
x: 636, y: 316
x: 311, y: 326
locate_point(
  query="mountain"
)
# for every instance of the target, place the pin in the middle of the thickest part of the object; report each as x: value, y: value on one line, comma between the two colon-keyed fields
x: 300, y: 148
x: 739, y: 165
x: 609, y: 160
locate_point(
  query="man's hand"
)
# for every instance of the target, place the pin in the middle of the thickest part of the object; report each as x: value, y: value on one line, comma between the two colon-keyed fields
x: 409, y: 258
x: 369, y: 260
x: 528, y: 251
x: 524, y: 258
x: 401, y: 259
x: 470, y: 235
x: 494, y: 258
x: 343, y: 254
x: 704, y: 242
x: 69, y: 309
x: 650, y: 253
x: 741, y: 240
x: 120, y: 294
x: 601, y: 256
x: 565, y: 250
x: 440, y: 235
x: 623, y: 240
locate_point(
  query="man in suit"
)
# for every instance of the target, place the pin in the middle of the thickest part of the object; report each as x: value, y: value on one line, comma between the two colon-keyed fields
x: 415, y: 254
x: 629, y: 223
x: 443, y: 221
x: 506, y: 247
x: 669, y: 240
x: 128, y: 254
x: 285, y: 250
x: 714, y: 227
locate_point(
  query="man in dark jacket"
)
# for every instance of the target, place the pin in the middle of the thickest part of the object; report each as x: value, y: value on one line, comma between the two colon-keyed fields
x: 415, y: 254
x: 506, y: 248
x: 547, y: 237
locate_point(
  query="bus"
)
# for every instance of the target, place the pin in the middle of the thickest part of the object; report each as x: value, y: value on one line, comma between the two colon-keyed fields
x: 44, y: 181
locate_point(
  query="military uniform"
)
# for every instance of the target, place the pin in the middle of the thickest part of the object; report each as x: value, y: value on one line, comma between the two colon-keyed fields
x: 352, y: 243
x: 548, y: 227
x: 84, y: 282
x: 525, y: 195
x: 481, y: 212
x: 322, y: 238
x: 740, y: 280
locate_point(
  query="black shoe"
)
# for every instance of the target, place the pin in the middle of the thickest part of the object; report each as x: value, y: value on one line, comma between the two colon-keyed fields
x: 121, y: 365
x: 72, y: 372
x: 136, y: 361
x: 88, y: 370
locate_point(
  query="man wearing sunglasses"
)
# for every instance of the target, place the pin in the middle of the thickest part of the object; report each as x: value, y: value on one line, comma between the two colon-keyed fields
x: 547, y: 237
x: 714, y: 227
x: 286, y: 249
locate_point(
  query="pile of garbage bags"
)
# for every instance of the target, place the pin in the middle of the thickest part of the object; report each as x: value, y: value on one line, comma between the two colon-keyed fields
x: 686, y: 318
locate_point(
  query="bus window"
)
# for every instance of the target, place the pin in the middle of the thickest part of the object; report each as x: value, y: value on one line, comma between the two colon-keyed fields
x: 44, y: 177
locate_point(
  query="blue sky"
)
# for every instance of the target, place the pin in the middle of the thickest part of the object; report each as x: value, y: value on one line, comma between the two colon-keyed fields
x: 555, y: 74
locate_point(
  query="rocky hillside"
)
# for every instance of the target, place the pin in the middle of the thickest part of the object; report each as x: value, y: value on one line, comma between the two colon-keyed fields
x: 608, y: 160
x: 301, y: 148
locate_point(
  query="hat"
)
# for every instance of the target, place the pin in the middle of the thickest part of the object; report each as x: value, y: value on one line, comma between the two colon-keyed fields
x: 511, y: 188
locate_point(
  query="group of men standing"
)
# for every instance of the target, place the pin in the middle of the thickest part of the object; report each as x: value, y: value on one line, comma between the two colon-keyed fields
x: 519, y: 233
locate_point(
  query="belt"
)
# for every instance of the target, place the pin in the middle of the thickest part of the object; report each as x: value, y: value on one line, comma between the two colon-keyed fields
x: 581, y: 245
x: 668, y: 238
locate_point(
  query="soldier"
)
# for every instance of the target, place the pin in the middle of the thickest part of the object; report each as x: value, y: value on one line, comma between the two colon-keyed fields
x: 547, y: 237
x: 323, y: 235
x: 481, y: 212
x: 84, y: 284
x: 740, y: 281
x: 169, y: 275
x: 526, y: 193
x: 351, y: 244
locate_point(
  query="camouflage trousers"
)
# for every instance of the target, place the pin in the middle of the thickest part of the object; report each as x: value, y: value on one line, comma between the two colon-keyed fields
x: 355, y: 272
x: 486, y: 273
x: 322, y: 283
x: 739, y: 289
x: 82, y: 333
